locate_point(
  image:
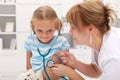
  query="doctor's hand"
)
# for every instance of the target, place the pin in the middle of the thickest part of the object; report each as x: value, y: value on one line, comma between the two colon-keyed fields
x: 61, y: 70
x: 68, y: 58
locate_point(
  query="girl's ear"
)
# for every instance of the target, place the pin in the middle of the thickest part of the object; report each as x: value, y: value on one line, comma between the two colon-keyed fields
x: 58, y: 25
x: 32, y: 27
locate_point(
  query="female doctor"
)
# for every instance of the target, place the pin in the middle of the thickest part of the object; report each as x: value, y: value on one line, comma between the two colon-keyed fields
x: 90, y: 25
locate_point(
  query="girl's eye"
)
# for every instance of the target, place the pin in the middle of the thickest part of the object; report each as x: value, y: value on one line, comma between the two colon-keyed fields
x: 49, y: 30
x: 39, y: 30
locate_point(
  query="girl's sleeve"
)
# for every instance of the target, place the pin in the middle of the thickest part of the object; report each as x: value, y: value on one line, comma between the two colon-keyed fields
x: 27, y: 44
x: 65, y: 45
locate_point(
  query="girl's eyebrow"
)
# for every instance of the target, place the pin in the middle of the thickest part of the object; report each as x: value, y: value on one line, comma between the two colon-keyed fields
x: 46, y: 30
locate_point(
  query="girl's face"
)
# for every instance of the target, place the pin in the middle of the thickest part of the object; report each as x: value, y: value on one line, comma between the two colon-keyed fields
x: 81, y: 35
x: 44, y: 30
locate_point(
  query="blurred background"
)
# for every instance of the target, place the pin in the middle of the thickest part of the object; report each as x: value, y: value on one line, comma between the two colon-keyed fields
x: 15, y: 17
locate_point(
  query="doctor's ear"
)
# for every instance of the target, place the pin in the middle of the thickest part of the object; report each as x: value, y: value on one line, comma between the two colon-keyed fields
x: 91, y: 27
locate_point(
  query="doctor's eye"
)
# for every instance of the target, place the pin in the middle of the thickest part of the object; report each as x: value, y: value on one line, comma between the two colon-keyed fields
x: 72, y: 27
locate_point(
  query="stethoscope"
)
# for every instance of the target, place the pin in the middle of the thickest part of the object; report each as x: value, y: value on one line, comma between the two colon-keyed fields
x: 44, y: 66
x: 49, y: 62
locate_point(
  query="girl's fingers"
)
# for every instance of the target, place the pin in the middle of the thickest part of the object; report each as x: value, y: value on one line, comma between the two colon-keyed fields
x: 67, y: 53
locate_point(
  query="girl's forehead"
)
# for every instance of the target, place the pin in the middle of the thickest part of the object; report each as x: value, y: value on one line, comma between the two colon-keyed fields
x: 44, y: 21
x: 44, y: 25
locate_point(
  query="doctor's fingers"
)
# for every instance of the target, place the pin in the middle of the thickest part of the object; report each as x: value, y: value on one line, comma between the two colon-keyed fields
x: 56, y: 69
x: 61, y: 53
x: 55, y: 66
x: 70, y: 56
x: 67, y: 56
x: 60, y: 70
x: 64, y: 59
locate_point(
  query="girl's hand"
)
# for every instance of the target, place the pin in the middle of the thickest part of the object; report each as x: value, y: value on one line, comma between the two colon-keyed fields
x: 61, y: 70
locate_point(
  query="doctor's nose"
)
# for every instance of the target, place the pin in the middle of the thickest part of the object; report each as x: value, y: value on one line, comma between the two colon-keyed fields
x: 70, y: 31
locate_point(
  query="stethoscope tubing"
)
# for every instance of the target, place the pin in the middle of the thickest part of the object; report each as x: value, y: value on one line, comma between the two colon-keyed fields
x: 44, y: 67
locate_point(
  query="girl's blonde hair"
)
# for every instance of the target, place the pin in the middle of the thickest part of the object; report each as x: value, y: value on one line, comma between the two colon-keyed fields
x: 47, y: 13
x: 91, y: 12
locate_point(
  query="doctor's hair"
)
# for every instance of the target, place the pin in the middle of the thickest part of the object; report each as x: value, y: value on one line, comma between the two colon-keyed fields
x: 46, y: 13
x: 92, y: 12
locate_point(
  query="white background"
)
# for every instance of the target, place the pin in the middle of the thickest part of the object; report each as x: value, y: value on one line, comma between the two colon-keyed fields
x: 12, y: 63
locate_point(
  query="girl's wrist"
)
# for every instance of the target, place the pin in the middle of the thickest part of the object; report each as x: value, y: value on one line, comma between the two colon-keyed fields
x: 28, y: 67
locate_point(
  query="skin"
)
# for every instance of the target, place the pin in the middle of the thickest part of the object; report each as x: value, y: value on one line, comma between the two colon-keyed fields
x: 81, y: 36
x: 44, y: 30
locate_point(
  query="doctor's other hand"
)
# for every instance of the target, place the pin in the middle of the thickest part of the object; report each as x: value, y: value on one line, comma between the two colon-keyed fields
x: 61, y: 70
x: 68, y: 58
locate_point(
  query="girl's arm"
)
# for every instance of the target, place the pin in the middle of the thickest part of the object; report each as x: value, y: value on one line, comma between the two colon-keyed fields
x: 28, y: 64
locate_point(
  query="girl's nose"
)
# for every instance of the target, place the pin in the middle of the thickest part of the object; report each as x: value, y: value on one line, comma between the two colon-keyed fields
x: 44, y: 34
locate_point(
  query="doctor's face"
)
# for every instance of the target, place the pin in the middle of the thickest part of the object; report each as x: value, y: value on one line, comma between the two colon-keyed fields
x: 44, y: 30
x: 81, y: 35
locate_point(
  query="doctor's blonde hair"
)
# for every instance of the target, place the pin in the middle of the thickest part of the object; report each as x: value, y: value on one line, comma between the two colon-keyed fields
x: 91, y: 12
x: 47, y: 13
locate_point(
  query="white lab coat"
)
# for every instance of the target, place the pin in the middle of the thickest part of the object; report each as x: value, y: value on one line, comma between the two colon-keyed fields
x: 108, y: 58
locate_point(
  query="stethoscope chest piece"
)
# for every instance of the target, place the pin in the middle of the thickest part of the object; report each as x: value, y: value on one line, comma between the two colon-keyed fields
x: 50, y: 62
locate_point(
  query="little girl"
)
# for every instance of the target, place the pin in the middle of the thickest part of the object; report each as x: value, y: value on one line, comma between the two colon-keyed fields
x: 41, y: 45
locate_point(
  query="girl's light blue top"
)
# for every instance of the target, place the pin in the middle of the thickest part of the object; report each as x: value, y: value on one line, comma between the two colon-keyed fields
x: 59, y: 43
